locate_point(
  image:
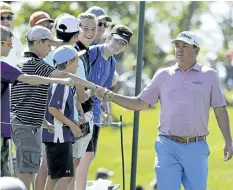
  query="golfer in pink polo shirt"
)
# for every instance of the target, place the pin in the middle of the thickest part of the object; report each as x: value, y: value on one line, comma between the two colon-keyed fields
x: 186, y: 92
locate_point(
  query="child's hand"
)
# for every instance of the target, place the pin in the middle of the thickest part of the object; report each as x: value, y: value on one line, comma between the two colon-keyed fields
x: 76, y: 131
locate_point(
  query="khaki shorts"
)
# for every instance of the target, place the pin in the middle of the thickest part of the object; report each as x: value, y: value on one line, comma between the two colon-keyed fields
x: 80, y: 146
x: 28, y: 143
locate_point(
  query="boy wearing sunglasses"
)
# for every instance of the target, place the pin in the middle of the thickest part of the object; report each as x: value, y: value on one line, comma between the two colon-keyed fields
x: 7, y: 17
x: 103, y: 20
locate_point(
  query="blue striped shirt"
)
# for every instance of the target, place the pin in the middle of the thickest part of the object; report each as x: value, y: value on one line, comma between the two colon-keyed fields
x: 60, y: 97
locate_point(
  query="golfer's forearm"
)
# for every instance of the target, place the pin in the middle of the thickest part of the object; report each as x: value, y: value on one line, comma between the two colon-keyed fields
x: 132, y: 103
x: 223, y: 123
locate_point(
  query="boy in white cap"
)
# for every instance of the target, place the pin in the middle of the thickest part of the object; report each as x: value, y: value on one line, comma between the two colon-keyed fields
x: 60, y: 112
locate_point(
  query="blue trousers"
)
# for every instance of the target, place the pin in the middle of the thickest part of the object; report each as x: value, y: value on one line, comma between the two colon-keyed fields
x: 178, y: 163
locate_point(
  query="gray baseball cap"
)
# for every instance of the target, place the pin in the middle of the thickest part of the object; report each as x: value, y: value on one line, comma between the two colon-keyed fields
x: 41, y: 33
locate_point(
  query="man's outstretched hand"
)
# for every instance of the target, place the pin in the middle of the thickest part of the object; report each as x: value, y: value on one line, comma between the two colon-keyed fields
x: 103, y: 93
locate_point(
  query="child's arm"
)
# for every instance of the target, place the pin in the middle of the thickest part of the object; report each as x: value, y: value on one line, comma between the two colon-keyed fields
x: 55, y: 112
x: 80, y: 94
x: 81, y: 112
x: 36, y: 80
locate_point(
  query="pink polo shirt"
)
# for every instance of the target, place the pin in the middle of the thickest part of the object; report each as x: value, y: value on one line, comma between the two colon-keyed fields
x: 185, y: 99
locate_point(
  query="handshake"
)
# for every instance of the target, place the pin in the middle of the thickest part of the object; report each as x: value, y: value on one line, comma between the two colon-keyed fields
x: 102, y: 93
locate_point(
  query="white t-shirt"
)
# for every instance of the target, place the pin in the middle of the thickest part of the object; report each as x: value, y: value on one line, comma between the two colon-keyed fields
x: 15, y: 54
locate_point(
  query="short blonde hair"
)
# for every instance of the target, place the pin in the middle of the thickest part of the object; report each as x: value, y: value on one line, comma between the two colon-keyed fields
x: 6, y: 33
x: 86, y: 15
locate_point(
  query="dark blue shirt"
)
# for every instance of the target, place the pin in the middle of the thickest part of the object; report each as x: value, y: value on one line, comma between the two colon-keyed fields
x: 60, y: 97
x: 101, y: 73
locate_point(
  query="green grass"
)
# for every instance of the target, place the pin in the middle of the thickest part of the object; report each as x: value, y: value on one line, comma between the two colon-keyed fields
x: 109, y: 153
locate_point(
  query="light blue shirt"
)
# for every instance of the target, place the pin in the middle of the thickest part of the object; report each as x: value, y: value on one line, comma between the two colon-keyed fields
x: 80, y: 73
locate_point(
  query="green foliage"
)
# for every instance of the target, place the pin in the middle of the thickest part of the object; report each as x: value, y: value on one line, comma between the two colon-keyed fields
x: 180, y: 15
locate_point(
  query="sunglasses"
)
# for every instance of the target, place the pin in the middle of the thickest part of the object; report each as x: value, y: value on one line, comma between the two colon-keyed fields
x: 8, y: 43
x: 101, y: 23
x: 9, y: 18
x: 50, y: 26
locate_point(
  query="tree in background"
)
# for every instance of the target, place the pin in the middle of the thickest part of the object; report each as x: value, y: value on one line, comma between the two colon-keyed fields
x: 177, y: 16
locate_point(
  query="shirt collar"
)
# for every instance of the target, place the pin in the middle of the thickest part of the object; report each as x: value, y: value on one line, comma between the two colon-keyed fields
x: 81, y: 46
x: 30, y: 54
x: 196, y: 67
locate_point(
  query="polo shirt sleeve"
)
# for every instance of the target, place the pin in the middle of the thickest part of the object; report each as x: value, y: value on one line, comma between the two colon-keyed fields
x: 111, y: 74
x: 9, y: 73
x: 58, y: 94
x: 151, y: 93
x: 43, y: 69
x: 217, y: 97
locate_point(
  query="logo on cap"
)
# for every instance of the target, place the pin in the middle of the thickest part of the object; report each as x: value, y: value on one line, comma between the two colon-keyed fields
x: 185, y: 35
x: 124, y: 34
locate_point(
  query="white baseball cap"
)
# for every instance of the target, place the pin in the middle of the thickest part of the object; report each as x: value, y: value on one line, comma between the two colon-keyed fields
x: 67, y: 23
x: 65, y: 53
x: 40, y: 33
x: 188, y: 37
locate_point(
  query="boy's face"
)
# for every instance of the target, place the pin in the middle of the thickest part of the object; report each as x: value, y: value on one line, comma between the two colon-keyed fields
x: 6, y: 47
x: 72, y: 66
x: 116, y: 46
x: 6, y: 19
x: 43, y: 47
x: 88, y: 34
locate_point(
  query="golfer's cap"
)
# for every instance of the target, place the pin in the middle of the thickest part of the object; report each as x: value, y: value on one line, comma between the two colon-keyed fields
x: 66, y: 53
x: 103, y: 173
x: 5, y: 8
x: 188, y: 37
x: 99, y: 13
x: 67, y: 23
x: 38, y: 17
x: 41, y: 33
x: 122, y: 32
